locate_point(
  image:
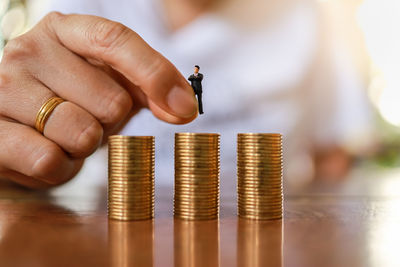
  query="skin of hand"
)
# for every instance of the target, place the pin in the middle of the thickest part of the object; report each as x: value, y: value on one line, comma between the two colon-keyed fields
x: 106, y: 73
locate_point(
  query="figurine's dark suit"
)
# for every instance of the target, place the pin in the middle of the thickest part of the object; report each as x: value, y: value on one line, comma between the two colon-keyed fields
x: 198, y: 89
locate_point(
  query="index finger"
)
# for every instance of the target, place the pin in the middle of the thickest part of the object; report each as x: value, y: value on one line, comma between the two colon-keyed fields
x: 125, y: 51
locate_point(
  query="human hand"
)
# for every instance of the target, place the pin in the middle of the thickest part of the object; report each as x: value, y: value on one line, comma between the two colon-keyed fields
x: 105, y: 72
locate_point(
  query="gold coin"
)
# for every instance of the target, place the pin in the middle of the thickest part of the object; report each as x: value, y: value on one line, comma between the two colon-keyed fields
x: 256, y: 144
x: 244, y: 158
x: 145, y: 174
x: 131, y: 185
x: 128, y: 216
x: 266, y: 171
x: 196, y: 214
x: 127, y: 137
x: 253, y: 217
x: 258, y: 174
x: 198, y: 209
x: 129, y: 198
x: 250, y: 146
x: 196, y: 218
x: 132, y: 206
x: 125, y: 161
x: 115, y: 208
x: 271, y: 148
x: 253, y: 210
x: 259, y: 161
x: 257, y: 198
x: 207, y: 196
x: 188, y: 205
x: 191, y: 190
x: 122, y: 214
x: 259, y: 183
x: 197, y: 179
x: 131, y: 177
x: 270, y: 197
x: 191, y: 171
x: 130, y: 210
x: 196, y: 187
x: 128, y: 195
x: 260, y: 134
x: 131, y: 203
x: 256, y: 209
x: 260, y: 204
x: 195, y: 211
x: 196, y: 199
x: 260, y: 207
x: 258, y: 194
x: 261, y: 214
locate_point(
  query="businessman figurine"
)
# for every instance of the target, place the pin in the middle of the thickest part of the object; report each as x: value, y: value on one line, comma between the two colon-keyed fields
x: 195, y: 80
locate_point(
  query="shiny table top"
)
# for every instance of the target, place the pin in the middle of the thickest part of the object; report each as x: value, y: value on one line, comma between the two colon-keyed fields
x: 354, y: 223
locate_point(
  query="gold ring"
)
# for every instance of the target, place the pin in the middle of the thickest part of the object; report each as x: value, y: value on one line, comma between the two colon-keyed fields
x: 45, y: 111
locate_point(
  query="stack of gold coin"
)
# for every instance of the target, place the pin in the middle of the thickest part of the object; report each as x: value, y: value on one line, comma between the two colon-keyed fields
x: 130, y: 177
x: 196, y: 194
x: 259, y: 163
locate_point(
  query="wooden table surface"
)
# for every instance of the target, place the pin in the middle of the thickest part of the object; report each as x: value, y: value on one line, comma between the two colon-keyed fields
x: 355, y: 223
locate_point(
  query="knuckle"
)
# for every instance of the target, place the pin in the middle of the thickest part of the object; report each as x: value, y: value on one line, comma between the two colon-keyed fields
x: 20, y: 48
x: 47, y: 163
x: 5, y: 81
x: 5, y: 89
x: 116, y: 107
x: 107, y: 35
x: 52, y: 16
x: 88, y: 139
x: 159, y: 68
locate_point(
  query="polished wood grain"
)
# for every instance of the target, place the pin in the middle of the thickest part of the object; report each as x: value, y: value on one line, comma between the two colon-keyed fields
x: 354, y: 223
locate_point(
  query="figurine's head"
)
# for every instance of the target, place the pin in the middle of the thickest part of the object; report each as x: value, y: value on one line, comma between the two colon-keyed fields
x: 196, y: 69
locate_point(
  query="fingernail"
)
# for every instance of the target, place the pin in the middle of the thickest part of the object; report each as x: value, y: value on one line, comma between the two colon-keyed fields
x: 182, y: 102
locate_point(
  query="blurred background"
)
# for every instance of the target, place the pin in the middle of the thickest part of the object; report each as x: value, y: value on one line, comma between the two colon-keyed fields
x: 364, y: 38
x: 366, y: 31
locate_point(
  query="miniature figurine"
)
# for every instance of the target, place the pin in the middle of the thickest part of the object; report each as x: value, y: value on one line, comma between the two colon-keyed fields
x: 195, y: 80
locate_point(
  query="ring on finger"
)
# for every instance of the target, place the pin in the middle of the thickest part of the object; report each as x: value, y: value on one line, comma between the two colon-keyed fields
x: 45, y: 111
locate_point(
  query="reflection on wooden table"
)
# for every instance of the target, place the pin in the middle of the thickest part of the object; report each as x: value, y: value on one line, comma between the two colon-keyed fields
x: 196, y: 243
x: 354, y: 223
x: 259, y: 243
x: 131, y: 243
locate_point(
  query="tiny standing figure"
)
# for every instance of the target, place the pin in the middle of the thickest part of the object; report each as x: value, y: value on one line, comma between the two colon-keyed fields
x: 195, y: 80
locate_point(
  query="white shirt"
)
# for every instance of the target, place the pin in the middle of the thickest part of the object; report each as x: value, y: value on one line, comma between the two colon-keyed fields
x: 277, y: 77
